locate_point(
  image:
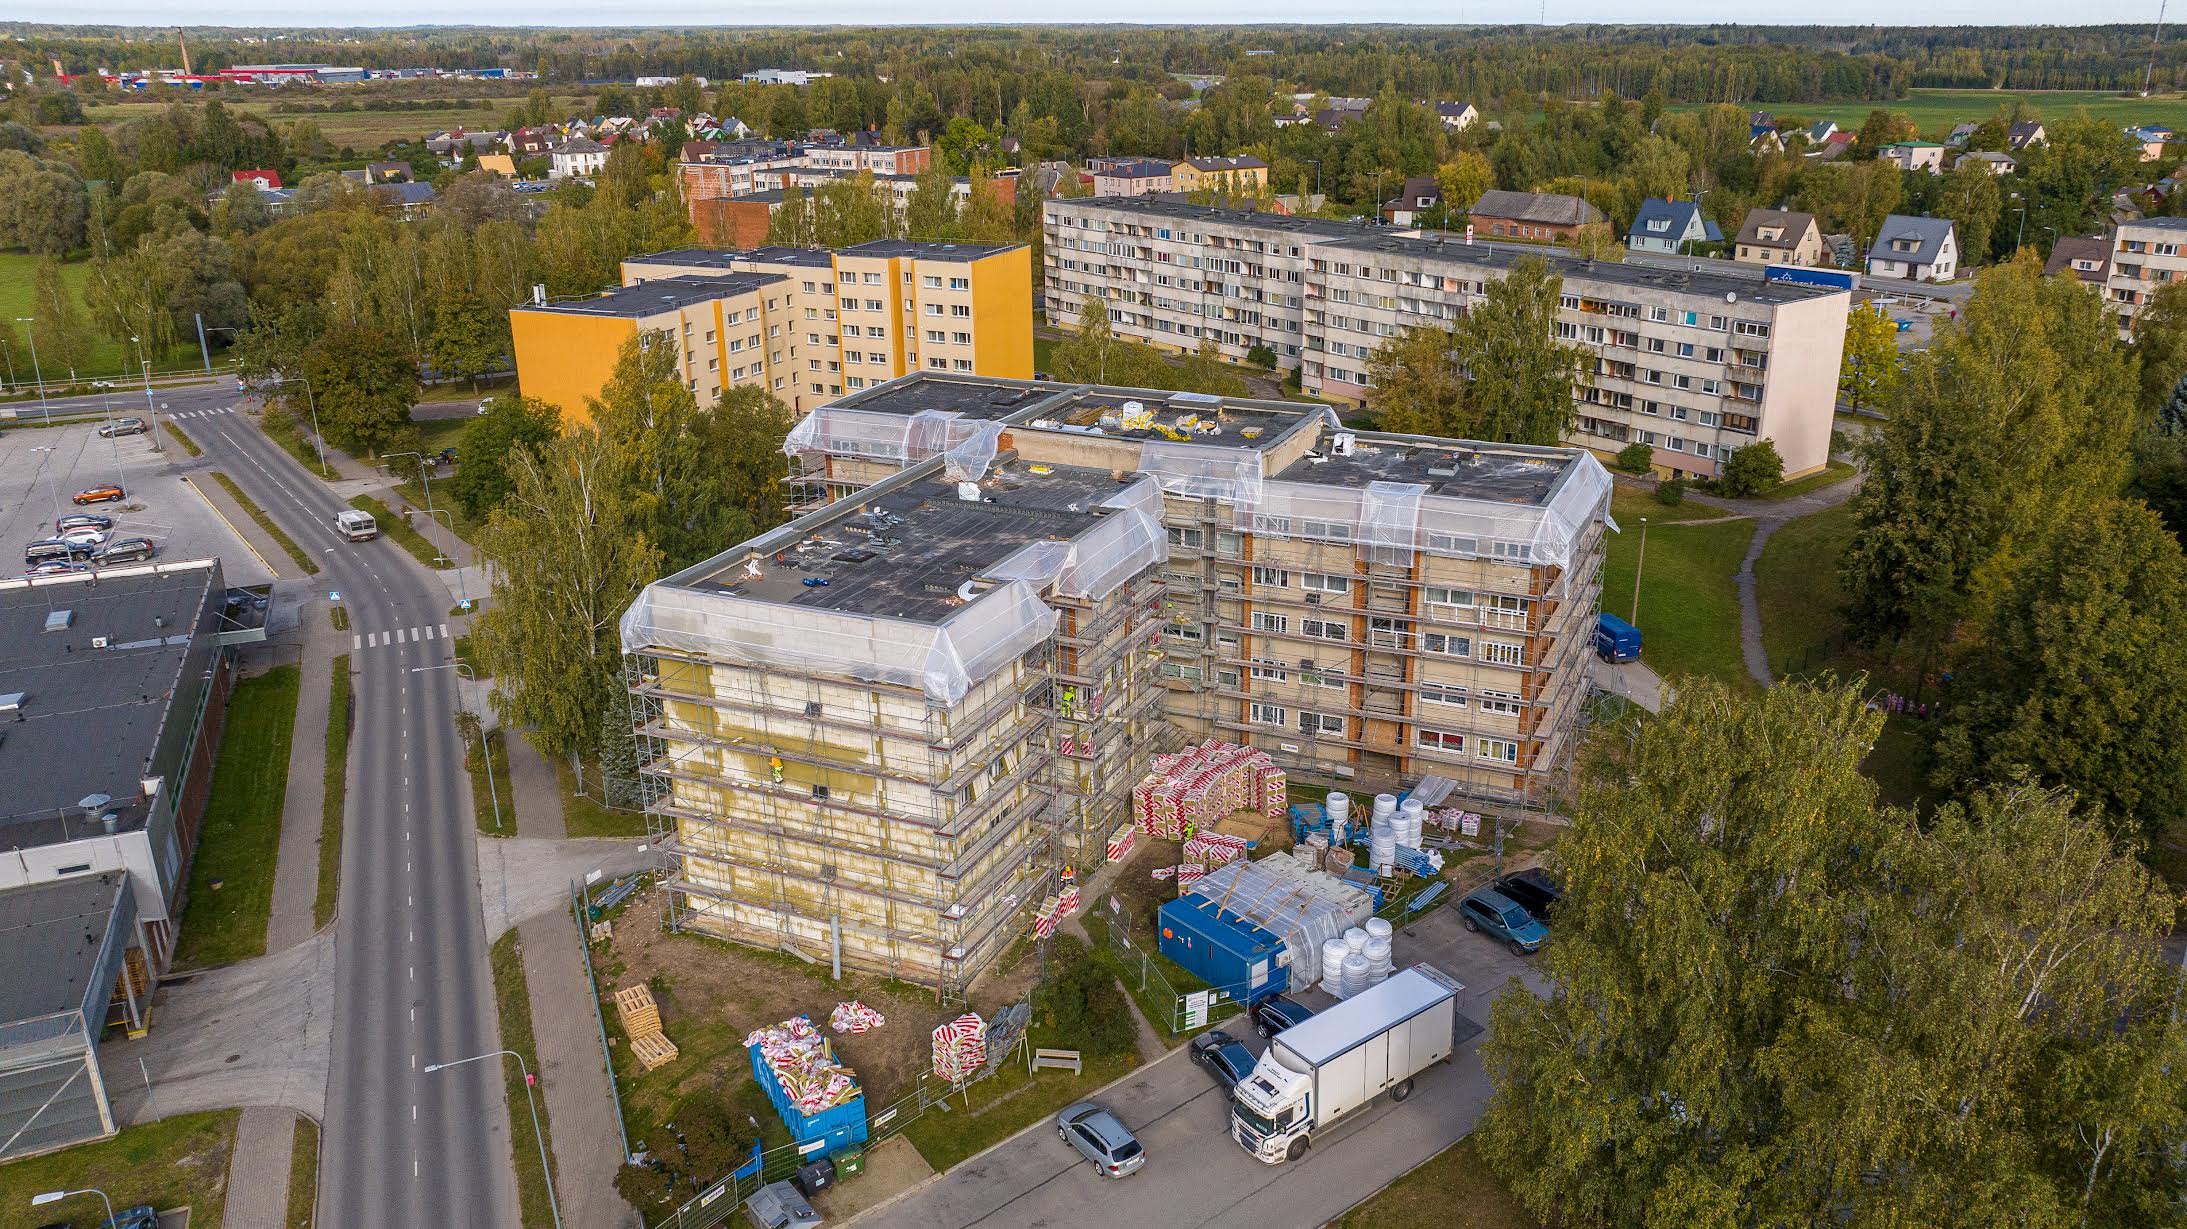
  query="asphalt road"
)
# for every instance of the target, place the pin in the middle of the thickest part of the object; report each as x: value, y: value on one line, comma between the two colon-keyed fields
x: 400, y: 1146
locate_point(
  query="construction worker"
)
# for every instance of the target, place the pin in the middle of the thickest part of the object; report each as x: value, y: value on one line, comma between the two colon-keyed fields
x: 774, y: 769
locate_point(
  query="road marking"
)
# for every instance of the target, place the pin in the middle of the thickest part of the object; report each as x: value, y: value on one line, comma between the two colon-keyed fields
x: 372, y: 640
x: 428, y: 631
x: 413, y: 1109
x: 444, y: 631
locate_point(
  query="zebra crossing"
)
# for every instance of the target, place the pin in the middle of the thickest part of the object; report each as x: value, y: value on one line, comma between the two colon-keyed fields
x: 360, y: 641
x: 225, y: 409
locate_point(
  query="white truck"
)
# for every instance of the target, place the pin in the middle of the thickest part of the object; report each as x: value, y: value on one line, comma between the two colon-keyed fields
x: 357, y: 526
x: 1315, y: 1073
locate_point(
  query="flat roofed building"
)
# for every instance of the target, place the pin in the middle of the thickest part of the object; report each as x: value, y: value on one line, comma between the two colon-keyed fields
x: 566, y: 352
x: 76, y: 966
x: 2145, y: 254
x: 113, y: 688
x: 1366, y: 608
x: 1694, y: 358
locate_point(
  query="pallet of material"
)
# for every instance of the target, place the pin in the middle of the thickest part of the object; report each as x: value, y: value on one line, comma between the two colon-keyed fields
x: 652, y: 1049
x: 639, y: 1012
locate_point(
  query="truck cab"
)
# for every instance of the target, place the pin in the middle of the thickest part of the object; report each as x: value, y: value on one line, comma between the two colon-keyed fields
x: 1273, y: 1111
x: 357, y: 526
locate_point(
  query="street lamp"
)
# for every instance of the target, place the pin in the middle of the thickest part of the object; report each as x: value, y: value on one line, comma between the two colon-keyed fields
x: 552, y: 1205
x: 33, y: 335
x: 1638, y: 564
x: 464, y: 671
x: 151, y: 413
x: 463, y: 583
x: 39, y: 1201
x: 425, y: 474
x: 51, y: 493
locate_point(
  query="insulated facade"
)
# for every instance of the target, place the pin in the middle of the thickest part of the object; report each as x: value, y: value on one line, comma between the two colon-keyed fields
x: 1694, y: 361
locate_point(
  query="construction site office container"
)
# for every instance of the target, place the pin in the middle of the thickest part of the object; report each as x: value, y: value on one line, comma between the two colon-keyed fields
x: 1223, y: 949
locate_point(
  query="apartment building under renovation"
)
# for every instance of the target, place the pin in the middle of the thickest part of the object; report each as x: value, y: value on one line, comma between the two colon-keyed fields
x: 886, y: 727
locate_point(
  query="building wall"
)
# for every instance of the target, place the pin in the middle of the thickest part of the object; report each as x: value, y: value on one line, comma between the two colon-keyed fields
x: 2143, y: 258
x: 1002, y: 315
x: 1490, y: 226
x: 732, y: 223
x: 563, y: 359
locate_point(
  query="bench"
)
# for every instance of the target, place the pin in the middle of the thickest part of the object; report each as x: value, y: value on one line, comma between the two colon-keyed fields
x: 1065, y: 1059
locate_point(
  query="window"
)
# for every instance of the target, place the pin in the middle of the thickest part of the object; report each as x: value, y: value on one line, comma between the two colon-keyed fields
x: 1229, y: 544
x: 1271, y: 576
x: 1265, y: 622
x: 931, y: 282
x: 876, y: 357
x: 1178, y: 670
x: 1442, y: 693
x: 1498, y: 749
x: 1449, y: 645
x: 1321, y: 723
x: 1178, y: 535
x: 847, y: 278
x: 962, y: 364
x: 874, y: 305
x: 1386, y: 633
x: 1270, y: 714
x: 870, y: 279
x: 1502, y: 703
x: 1503, y: 654
x: 961, y: 310
x: 1436, y: 595
x: 960, y: 283
x: 1438, y: 740
x: 1323, y: 676
x: 962, y: 339
x: 1316, y: 582
x: 1325, y: 629
x: 1186, y: 633
x: 1269, y: 671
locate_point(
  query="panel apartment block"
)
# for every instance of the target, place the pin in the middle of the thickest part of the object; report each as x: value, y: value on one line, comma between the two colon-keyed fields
x: 1694, y: 361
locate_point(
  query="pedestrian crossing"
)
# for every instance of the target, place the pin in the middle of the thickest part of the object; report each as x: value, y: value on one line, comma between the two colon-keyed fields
x: 359, y: 641
x: 226, y: 409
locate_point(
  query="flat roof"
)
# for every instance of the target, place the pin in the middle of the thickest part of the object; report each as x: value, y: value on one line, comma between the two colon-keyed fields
x: 90, y: 718
x: 928, y: 249
x: 697, y: 258
x: 661, y: 295
x: 52, y: 932
x: 1177, y: 417
x: 1460, y: 469
x: 1695, y: 277
x: 904, y: 553
x: 971, y: 397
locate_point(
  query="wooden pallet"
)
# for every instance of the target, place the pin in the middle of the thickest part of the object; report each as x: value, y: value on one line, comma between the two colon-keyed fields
x: 640, y: 1014
x: 652, y: 1049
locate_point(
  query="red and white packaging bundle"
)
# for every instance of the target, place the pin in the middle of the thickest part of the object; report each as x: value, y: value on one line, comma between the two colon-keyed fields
x: 1067, y: 902
x: 1044, y: 926
x: 855, y: 1017
x: 799, y: 1055
x: 960, y: 1048
x: 1189, y: 873
x: 1162, y: 872
x: 1121, y: 842
x: 1215, y: 848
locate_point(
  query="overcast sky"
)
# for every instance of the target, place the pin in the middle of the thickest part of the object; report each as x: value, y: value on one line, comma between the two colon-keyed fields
x: 1174, y: 12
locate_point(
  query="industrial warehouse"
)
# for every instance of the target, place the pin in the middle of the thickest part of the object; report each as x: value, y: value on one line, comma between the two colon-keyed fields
x: 886, y: 730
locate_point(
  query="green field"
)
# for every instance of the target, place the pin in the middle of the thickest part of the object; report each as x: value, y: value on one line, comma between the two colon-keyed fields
x: 107, y: 358
x: 1689, y: 601
x: 1936, y: 111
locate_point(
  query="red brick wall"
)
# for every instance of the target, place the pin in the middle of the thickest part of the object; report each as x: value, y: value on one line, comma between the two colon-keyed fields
x: 731, y: 223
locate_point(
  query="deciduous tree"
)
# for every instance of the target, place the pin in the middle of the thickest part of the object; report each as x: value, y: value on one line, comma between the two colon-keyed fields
x: 1872, y: 364
x: 1522, y: 375
x: 1420, y: 384
x: 482, y: 480
x: 365, y: 383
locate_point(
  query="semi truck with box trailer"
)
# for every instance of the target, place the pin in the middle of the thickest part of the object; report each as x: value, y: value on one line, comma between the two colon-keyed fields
x: 1314, y: 1074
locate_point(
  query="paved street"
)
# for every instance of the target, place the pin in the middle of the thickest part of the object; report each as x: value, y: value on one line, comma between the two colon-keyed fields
x: 1196, y: 1177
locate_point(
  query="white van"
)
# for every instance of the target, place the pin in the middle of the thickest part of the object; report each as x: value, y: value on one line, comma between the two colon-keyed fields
x: 357, y: 526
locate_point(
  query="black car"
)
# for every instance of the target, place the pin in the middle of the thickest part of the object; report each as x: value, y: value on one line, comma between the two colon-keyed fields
x: 1276, y: 1013
x: 122, y: 426
x: 1224, y: 1056
x: 126, y: 550
x: 82, y: 520
x: 1533, y: 890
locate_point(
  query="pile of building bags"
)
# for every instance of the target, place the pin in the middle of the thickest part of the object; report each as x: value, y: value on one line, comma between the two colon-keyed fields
x: 799, y: 1055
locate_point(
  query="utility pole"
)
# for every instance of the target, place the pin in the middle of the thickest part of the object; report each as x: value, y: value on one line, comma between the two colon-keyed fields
x: 1638, y: 564
x: 2149, y: 74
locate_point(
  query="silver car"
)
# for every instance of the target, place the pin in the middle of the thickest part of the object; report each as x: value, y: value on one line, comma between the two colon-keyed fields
x: 1102, y: 1139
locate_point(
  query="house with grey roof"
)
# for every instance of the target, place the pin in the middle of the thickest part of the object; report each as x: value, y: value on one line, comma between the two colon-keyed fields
x: 2025, y: 135
x: 1533, y: 215
x: 1915, y: 249
x: 1670, y: 227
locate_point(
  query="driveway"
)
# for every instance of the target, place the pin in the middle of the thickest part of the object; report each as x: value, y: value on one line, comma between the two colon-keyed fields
x: 1196, y: 1176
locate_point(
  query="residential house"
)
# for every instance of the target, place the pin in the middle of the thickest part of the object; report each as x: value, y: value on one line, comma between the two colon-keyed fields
x: 1778, y: 237
x: 388, y: 172
x: 1990, y: 160
x: 2025, y: 135
x: 450, y: 144
x: 1962, y: 133
x: 408, y: 199
x: 498, y: 164
x: 263, y: 180
x: 530, y: 142
x: 1670, y: 227
x: 1820, y: 131
x: 2151, y: 139
x: 1835, y: 146
x: 1763, y: 139
x: 578, y: 158
x: 1420, y: 194
x: 2146, y: 253
x: 1914, y: 156
x: 1533, y: 215
x: 2087, y: 259
x: 1133, y: 177
x: 1915, y: 249
x: 1243, y: 175
x: 1456, y: 116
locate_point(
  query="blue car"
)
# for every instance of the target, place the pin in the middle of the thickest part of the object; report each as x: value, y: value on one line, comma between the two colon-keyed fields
x: 1490, y: 911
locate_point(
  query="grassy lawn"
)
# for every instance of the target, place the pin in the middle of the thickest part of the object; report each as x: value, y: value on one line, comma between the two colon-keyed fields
x: 106, y: 359
x: 461, y: 390
x: 439, y: 433
x: 491, y: 821
x: 445, y: 510
x: 288, y: 544
x: 241, y: 839
x: 584, y: 815
x: 1830, y: 475
x: 362, y: 130
x: 304, y: 1175
x: 1453, y: 1189
x: 1689, y: 604
x: 512, y: 999
x: 1629, y: 503
x: 188, y: 445
x: 994, y: 1114
x: 335, y: 784
x: 394, y: 527
x: 287, y: 430
x: 1935, y: 111
x: 1044, y: 352
x: 175, y: 1162
x: 469, y: 659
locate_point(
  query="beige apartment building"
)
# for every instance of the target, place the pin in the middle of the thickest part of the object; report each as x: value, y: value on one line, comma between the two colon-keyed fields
x: 2145, y: 254
x: 1694, y: 362
x: 886, y: 727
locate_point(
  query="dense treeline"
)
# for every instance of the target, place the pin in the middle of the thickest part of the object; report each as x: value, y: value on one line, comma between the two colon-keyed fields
x: 965, y: 66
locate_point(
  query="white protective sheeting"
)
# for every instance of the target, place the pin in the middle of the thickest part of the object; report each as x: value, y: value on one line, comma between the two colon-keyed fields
x: 1391, y: 519
x: 1303, y: 920
x: 1099, y: 561
x: 944, y: 660
x: 967, y: 446
x: 1220, y: 472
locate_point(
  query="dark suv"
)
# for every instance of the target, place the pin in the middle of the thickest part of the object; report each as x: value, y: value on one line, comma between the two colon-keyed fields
x: 1533, y: 890
x: 1276, y: 1013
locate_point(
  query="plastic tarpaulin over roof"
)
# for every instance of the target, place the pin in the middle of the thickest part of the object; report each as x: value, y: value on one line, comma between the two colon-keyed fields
x: 942, y: 659
x: 1400, y: 517
x: 1303, y: 919
x: 967, y: 446
x: 1231, y: 475
x: 1118, y: 547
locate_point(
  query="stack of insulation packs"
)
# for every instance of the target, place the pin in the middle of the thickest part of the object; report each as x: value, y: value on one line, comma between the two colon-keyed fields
x: 960, y: 1048
x: 799, y: 1055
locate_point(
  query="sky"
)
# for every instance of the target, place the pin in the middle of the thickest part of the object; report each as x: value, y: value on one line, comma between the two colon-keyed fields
x: 1166, y: 12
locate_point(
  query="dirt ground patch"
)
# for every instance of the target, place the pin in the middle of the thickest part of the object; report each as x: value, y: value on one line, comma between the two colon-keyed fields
x: 712, y: 994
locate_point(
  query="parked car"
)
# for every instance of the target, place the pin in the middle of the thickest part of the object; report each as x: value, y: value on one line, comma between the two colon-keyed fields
x: 1534, y: 890
x: 1224, y: 1056
x: 100, y: 495
x: 1101, y: 1139
x: 55, y: 550
x: 1490, y: 911
x: 126, y: 550
x: 79, y: 520
x: 57, y: 568
x: 122, y: 426
x: 83, y: 535
x: 1276, y: 1013
x: 143, y: 1216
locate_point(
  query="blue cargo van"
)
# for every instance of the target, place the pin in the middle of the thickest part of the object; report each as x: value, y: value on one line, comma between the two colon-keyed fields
x: 1615, y: 639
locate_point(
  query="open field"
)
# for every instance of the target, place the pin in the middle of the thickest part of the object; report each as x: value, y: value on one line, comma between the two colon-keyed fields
x: 107, y: 359
x: 1689, y: 601
x: 1935, y: 111
x: 357, y: 129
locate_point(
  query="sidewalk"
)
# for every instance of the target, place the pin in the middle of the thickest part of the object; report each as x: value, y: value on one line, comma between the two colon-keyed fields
x: 296, y: 873
x: 258, y: 1187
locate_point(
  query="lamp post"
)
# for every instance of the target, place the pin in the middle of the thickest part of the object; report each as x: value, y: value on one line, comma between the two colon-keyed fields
x: 51, y: 493
x: 39, y: 1201
x: 1638, y: 564
x: 463, y: 583
x: 464, y: 671
x: 39, y: 371
x: 553, y: 1205
x: 151, y: 412
x: 425, y: 474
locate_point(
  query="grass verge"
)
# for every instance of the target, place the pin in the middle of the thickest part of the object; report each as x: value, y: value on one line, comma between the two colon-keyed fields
x: 1689, y: 600
x: 304, y: 1175
x: 400, y: 530
x: 339, y: 616
x: 1452, y: 1188
x: 492, y: 820
x: 990, y: 1111
x: 1629, y: 503
x: 1830, y: 475
x: 469, y: 658
x: 445, y: 510
x: 241, y: 838
x: 287, y: 543
x: 176, y: 1162
x: 188, y: 445
x: 512, y: 999
x: 584, y: 815
x: 282, y: 427
x: 335, y: 791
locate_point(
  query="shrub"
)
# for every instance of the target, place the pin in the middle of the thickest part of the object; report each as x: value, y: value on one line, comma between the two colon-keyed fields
x: 1635, y: 458
x: 1261, y: 355
x: 1671, y: 493
x: 1751, y: 470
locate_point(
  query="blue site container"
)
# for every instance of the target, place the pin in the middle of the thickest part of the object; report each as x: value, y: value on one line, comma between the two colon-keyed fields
x: 1223, y: 949
x: 1615, y: 639
x: 838, y: 1128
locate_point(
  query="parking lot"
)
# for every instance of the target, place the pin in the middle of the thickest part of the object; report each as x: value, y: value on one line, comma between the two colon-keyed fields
x: 41, y: 468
